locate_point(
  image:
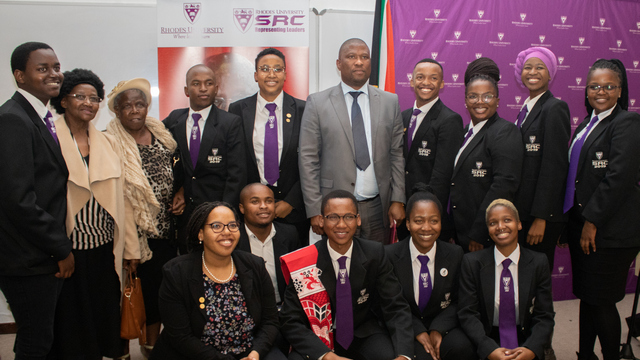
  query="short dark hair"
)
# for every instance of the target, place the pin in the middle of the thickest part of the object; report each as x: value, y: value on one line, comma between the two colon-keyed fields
x: 422, y: 192
x: 482, y: 69
x: 20, y: 55
x: 339, y: 194
x: 198, y: 220
x: 72, y: 79
x: 270, y: 51
x: 428, y: 60
x: 349, y: 42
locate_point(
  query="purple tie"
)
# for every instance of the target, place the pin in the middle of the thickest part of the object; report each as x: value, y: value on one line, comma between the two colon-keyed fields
x: 412, y: 127
x: 521, y: 116
x: 51, y: 126
x: 271, y: 168
x: 344, y: 310
x: 194, y: 139
x: 467, y: 137
x: 574, y: 158
x: 507, y: 314
x: 424, y: 283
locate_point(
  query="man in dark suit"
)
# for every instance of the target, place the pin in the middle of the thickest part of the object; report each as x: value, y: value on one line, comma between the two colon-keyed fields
x: 433, y: 134
x: 263, y: 237
x: 272, y: 156
x: 498, y: 322
x: 363, y: 291
x: 351, y: 139
x: 210, y: 148
x: 36, y: 253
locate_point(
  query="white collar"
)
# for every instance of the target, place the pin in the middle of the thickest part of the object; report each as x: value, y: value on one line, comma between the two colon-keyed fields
x: 514, y: 256
x: 38, y: 106
x: 415, y: 252
x: 336, y: 255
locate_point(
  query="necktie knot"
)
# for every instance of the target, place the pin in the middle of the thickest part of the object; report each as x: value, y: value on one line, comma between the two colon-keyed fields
x: 355, y: 95
x: 424, y: 259
x: 48, y: 116
x: 342, y: 262
x: 271, y: 107
x: 506, y: 263
x: 416, y: 112
x: 196, y: 117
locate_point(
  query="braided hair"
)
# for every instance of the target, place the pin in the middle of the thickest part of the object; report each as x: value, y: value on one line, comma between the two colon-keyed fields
x: 482, y: 69
x: 618, y: 68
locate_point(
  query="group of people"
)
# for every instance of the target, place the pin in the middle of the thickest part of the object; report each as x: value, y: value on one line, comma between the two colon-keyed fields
x: 82, y: 206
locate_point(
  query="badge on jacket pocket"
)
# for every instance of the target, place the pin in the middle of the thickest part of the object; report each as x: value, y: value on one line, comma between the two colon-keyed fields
x: 600, y: 163
x: 215, y: 158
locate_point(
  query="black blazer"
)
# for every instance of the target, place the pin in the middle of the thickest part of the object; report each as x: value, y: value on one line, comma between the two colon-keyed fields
x: 545, y: 135
x: 285, y: 241
x: 489, y: 168
x: 33, y: 204
x: 441, y: 311
x: 184, y: 320
x: 288, y: 188
x: 376, y: 296
x: 477, y: 300
x: 220, y: 172
x: 433, y: 150
x: 607, y: 182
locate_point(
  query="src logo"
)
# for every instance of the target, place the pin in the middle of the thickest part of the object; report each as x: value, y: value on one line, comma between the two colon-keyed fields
x: 273, y: 20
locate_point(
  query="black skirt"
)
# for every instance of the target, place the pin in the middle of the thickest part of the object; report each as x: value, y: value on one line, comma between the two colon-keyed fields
x: 150, y: 274
x: 87, y: 323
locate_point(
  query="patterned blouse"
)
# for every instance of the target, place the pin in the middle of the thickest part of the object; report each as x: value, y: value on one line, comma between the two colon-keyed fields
x: 156, y: 163
x: 229, y: 325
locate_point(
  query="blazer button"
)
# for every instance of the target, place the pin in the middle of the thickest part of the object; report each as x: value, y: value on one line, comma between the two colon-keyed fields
x: 577, y: 181
x: 406, y: 172
x: 453, y: 184
x: 279, y: 192
x: 193, y: 178
x: 454, y: 207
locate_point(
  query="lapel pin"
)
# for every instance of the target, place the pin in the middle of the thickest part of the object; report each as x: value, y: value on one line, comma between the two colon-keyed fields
x: 201, y: 299
x: 444, y: 272
x: 202, y: 306
x: 288, y: 120
x: 288, y: 115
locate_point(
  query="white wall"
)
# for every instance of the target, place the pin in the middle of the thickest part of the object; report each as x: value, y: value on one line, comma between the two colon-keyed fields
x: 117, y: 39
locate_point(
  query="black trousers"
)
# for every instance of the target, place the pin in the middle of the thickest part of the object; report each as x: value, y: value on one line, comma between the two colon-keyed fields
x: 373, y: 347
x: 33, y: 302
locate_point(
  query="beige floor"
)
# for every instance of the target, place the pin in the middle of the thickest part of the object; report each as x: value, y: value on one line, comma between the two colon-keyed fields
x: 565, y: 341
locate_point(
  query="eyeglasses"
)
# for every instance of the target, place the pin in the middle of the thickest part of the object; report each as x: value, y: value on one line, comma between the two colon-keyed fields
x: 335, y: 218
x: 218, y: 227
x: 266, y: 70
x: 607, y: 88
x: 486, y: 98
x: 82, y: 98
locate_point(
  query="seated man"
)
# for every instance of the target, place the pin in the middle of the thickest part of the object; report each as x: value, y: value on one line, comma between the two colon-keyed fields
x: 505, y: 304
x: 263, y: 237
x: 347, y: 281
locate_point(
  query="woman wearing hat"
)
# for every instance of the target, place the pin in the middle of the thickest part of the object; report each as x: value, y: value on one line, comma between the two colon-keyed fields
x: 87, y: 323
x: 544, y: 124
x: 147, y: 149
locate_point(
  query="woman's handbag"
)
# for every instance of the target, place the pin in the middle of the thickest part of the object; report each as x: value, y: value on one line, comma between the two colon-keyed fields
x: 133, y: 321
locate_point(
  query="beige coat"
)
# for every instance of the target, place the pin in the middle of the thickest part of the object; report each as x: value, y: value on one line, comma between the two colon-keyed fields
x: 106, y: 182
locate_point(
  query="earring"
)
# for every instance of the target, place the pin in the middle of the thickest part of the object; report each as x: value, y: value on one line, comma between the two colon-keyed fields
x: 199, y: 238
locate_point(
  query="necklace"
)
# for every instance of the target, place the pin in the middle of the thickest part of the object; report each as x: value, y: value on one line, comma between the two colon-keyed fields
x: 215, y: 278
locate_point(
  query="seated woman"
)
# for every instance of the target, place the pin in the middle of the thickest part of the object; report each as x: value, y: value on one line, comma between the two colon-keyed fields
x: 505, y: 304
x: 488, y: 165
x: 87, y: 321
x: 428, y: 270
x: 215, y: 304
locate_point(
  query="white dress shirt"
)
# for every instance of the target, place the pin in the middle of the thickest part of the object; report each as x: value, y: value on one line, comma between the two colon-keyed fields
x: 582, y: 132
x: 38, y: 106
x: 476, y: 129
x: 336, y: 255
x: 417, y: 266
x: 265, y: 251
x: 424, y: 110
x: 530, y: 103
x: 513, y: 267
x: 366, y: 183
x: 203, y: 120
x: 262, y: 116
